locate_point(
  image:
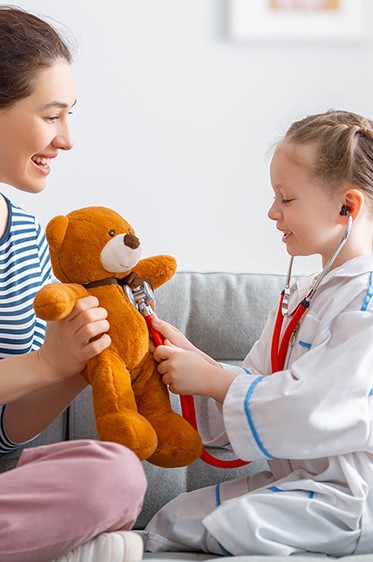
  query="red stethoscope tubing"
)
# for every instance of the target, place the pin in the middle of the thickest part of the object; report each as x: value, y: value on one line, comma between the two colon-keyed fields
x: 157, y: 338
x: 280, y: 346
x: 189, y: 412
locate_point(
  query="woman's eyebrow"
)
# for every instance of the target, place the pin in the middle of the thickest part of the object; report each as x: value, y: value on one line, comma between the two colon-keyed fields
x: 58, y: 104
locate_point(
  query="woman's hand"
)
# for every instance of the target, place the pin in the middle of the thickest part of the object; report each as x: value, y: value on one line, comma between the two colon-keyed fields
x: 70, y: 343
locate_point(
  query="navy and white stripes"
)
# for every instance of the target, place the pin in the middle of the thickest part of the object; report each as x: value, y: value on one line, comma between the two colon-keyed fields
x: 24, y: 269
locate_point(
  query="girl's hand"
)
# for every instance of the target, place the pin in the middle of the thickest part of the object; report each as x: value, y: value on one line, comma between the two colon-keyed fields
x: 174, y: 337
x: 171, y: 334
x: 189, y: 372
x: 71, y: 342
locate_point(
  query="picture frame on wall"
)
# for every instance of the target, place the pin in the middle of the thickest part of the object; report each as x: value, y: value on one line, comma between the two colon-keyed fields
x: 297, y: 20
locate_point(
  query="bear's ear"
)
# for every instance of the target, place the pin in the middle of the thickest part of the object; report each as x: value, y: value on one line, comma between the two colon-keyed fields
x: 55, y: 231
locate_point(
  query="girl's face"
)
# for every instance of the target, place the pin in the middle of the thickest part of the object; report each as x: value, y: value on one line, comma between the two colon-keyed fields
x: 305, y: 212
x: 35, y: 128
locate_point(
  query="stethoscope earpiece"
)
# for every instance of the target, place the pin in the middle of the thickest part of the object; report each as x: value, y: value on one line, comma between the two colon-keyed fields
x: 279, y: 346
x: 345, y: 210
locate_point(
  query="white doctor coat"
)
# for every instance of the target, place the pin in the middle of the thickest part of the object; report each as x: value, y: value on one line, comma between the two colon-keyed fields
x: 312, y: 422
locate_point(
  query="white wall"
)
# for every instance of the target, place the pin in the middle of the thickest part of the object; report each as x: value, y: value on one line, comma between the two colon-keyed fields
x: 174, y: 123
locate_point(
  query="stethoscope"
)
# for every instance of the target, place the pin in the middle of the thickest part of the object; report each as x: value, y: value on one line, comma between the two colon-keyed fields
x: 279, y: 347
x: 142, y: 297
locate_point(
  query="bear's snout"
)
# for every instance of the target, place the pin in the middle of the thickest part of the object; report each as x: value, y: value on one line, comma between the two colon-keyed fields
x: 131, y: 241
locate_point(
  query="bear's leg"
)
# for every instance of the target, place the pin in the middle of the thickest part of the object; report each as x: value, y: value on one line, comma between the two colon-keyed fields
x: 178, y: 442
x: 116, y: 415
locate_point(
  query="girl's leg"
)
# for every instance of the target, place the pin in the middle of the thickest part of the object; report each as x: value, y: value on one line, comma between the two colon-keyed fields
x: 178, y: 525
x: 62, y: 495
x: 226, y: 519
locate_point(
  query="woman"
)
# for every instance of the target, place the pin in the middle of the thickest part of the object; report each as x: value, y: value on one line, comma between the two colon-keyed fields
x: 73, y: 500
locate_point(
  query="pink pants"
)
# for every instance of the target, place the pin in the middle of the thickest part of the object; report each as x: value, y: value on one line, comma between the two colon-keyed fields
x: 61, y: 495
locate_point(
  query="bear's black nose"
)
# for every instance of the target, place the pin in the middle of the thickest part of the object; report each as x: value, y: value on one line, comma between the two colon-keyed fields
x: 131, y: 241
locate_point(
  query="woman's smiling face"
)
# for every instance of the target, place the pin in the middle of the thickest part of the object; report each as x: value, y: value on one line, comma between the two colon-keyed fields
x: 34, y: 129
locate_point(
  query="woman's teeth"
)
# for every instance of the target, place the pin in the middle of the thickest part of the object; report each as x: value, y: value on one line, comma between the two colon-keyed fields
x: 41, y: 161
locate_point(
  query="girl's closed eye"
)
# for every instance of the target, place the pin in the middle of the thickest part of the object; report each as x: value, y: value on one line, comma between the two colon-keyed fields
x: 285, y: 201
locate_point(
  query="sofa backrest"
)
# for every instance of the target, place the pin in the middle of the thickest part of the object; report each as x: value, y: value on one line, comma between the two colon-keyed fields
x: 221, y: 313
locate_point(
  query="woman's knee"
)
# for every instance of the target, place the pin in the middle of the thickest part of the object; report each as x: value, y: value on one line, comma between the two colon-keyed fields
x: 117, y: 470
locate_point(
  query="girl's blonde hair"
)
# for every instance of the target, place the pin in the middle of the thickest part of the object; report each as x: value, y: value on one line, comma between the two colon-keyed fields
x: 344, y: 144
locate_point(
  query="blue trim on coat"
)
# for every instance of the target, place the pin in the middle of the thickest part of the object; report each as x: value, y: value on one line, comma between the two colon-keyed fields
x: 250, y: 419
x: 217, y: 495
x: 275, y: 489
x: 246, y: 371
x: 369, y: 294
x: 224, y: 550
x: 218, y: 502
x: 304, y: 344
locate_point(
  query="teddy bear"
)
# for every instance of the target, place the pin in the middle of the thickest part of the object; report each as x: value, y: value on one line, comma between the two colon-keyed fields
x: 95, y: 251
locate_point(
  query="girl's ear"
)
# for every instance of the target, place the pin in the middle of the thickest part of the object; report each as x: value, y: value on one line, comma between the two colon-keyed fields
x: 352, y: 204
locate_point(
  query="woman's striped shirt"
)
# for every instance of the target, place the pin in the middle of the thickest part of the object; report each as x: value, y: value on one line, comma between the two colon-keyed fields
x: 24, y: 269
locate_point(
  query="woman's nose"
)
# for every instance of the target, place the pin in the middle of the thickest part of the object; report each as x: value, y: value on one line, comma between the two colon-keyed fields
x: 63, y: 140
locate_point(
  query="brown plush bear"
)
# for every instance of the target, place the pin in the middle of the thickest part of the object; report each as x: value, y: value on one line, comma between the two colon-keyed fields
x: 93, y: 251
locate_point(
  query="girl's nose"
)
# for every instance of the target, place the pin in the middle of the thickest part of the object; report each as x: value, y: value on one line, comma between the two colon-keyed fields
x: 273, y: 211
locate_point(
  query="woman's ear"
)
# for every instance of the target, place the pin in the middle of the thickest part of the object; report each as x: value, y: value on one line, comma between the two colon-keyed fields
x: 352, y: 204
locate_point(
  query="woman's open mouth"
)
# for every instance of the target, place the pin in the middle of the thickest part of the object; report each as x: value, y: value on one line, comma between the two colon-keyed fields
x: 42, y: 163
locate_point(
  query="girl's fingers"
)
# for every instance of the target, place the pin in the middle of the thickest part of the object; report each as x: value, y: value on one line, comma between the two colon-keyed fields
x: 166, y: 329
x: 162, y: 352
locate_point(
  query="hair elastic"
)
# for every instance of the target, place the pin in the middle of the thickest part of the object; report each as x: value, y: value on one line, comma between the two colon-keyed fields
x: 365, y: 131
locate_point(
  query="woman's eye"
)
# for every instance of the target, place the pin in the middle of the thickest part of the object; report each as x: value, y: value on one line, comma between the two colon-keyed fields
x: 111, y: 232
x: 285, y: 201
x: 53, y: 118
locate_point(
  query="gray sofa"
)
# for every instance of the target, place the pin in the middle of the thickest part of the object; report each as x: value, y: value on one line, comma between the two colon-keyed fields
x: 223, y: 314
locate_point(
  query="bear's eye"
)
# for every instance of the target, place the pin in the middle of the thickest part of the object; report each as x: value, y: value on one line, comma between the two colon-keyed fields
x: 111, y: 232
x: 130, y: 231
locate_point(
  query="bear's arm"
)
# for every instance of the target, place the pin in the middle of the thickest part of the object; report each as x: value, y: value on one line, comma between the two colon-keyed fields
x: 158, y: 269
x: 56, y: 301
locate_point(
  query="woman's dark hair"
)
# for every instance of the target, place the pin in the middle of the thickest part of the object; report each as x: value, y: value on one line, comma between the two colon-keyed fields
x: 27, y: 44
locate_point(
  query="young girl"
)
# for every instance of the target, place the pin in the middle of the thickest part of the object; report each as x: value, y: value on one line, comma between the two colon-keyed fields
x: 68, y: 496
x: 312, y: 417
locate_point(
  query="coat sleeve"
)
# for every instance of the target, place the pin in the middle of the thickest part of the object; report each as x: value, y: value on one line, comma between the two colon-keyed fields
x: 321, y: 406
x: 210, y: 420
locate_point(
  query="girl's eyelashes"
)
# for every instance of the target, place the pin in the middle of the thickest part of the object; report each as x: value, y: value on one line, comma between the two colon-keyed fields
x: 286, y: 201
